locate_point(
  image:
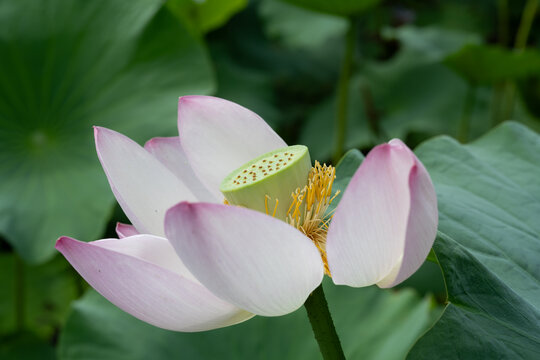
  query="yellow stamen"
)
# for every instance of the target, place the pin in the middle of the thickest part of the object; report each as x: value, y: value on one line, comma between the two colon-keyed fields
x: 309, y: 205
x: 266, y: 198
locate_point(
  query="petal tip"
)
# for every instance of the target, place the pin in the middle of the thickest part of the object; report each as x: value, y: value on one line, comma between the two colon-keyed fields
x: 183, y: 99
x: 189, y: 98
x: 385, y: 147
x: 98, y: 130
x: 398, y: 145
x: 397, y: 142
x: 61, y: 243
x: 150, y: 143
x: 178, y: 208
x: 194, y: 99
x: 101, y: 132
x: 155, y: 142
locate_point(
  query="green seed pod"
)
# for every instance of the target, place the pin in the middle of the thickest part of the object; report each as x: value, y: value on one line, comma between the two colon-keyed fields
x: 268, y: 179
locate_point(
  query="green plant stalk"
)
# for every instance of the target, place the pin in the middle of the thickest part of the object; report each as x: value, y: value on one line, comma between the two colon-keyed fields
x: 323, y: 326
x: 504, y: 40
x: 468, y: 108
x: 343, y: 93
x: 20, y: 298
x: 529, y: 12
x: 522, y: 35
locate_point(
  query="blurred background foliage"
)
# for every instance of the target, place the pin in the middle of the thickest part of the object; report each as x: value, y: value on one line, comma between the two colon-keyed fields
x: 332, y: 75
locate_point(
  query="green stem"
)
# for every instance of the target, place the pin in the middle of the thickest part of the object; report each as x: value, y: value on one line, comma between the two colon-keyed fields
x: 468, y: 108
x: 19, y: 293
x: 529, y: 11
x: 323, y: 326
x: 509, y: 95
x: 343, y: 92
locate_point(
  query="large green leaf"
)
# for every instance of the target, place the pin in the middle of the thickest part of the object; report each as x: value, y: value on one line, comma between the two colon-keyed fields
x: 67, y: 65
x: 489, y: 203
x: 486, y: 64
x: 372, y: 323
x: 484, y: 319
x: 336, y: 7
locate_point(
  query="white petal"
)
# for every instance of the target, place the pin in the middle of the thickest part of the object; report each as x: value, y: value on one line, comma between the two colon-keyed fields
x: 153, y: 249
x: 169, y: 152
x: 421, y: 226
x: 219, y: 136
x: 249, y: 259
x: 385, y: 224
x: 143, y: 186
x: 142, y: 276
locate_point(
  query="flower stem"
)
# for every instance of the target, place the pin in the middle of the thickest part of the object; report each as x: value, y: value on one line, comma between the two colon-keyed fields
x: 323, y: 326
x: 520, y: 43
x: 529, y: 11
x: 343, y: 92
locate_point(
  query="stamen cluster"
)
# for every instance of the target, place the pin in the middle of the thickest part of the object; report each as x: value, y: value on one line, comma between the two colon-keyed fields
x: 308, y: 209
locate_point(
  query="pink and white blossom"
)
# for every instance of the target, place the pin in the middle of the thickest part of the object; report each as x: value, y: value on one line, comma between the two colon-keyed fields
x: 191, y: 263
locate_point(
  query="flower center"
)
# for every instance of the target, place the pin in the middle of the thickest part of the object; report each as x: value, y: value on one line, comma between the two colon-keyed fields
x: 283, y: 184
x: 314, y: 198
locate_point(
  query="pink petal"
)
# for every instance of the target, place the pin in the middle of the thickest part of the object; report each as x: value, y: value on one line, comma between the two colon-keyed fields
x: 143, y: 276
x: 422, y: 223
x: 125, y: 230
x: 169, y: 152
x: 219, y: 136
x: 249, y: 259
x: 386, y: 222
x: 143, y: 186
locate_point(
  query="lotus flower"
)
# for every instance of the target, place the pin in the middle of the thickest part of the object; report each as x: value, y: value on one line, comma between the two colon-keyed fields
x: 190, y: 262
